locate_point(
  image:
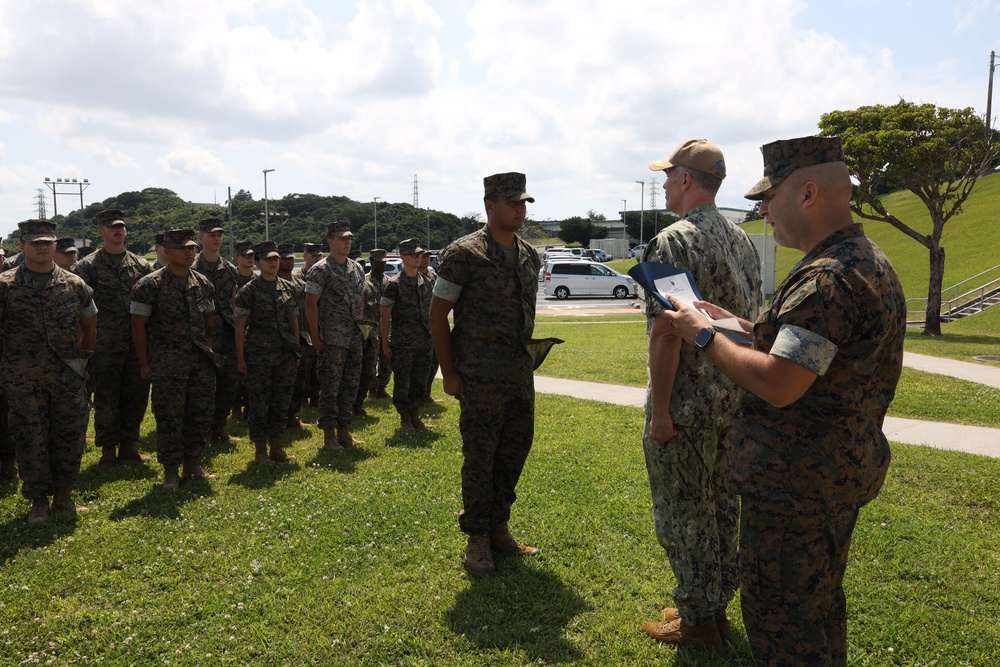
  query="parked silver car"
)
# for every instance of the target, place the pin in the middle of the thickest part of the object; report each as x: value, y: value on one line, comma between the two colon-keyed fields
x: 582, y: 278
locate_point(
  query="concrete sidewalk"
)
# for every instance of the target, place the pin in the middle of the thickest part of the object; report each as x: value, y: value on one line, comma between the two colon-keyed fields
x: 972, y: 439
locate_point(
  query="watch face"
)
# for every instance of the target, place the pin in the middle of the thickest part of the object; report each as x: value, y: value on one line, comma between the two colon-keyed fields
x: 704, y: 337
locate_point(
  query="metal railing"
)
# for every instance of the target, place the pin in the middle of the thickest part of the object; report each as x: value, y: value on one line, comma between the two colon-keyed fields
x: 954, y: 299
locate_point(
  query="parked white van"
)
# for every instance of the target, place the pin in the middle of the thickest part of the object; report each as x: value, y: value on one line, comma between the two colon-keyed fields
x: 564, y: 279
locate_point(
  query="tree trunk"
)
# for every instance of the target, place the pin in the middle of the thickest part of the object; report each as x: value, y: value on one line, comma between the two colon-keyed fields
x: 932, y: 318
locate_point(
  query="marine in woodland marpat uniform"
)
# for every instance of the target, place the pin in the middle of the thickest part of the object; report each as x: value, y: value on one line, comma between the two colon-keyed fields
x: 372, y: 346
x: 690, y: 403
x: 306, y: 383
x: 377, y: 277
x: 223, y: 276
x: 172, y: 324
x: 267, y: 348
x: 406, y: 334
x: 490, y: 280
x: 43, y: 369
x: 335, y: 313
x: 65, y: 256
x: 808, y: 449
x: 121, y: 394
x: 244, y: 274
x: 425, y: 268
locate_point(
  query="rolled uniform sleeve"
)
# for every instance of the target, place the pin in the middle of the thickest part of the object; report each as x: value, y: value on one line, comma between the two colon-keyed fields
x: 447, y: 290
x: 805, y: 348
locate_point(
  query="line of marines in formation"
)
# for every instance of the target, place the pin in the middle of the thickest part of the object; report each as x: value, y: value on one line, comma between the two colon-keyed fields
x: 203, y: 339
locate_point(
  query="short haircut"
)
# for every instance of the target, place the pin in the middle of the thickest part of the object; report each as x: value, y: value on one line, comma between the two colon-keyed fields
x: 707, y: 182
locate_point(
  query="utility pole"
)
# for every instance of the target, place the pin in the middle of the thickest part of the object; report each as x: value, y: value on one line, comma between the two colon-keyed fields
x: 654, y: 185
x: 989, y: 98
x: 41, y: 204
x: 79, y: 184
x: 416, y: 197
x: 642, y: 209
x: 624, y: 225
x: 375, y: 204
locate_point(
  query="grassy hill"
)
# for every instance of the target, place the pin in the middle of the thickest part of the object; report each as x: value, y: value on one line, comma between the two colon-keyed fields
x: 971, y: 239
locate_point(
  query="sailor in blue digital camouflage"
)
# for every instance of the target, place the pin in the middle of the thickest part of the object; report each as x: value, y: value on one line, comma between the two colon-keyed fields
x: 306, y: 384
x: 807, y: 447
x: 335, y: 313
x: 377, y: 277
x: 490, y: 280
x: 690, y: 403
x: 244, y: 273
x: 121, y: 394
x: 267, y: 348
x: 48, y: 322
x: 406, y: 334
x: 172, y: 325
x: 372, y: 346
x: 224, y: 278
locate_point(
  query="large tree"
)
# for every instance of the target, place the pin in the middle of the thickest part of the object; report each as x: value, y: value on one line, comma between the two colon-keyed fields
x: 580, y: 230
x: 938, y: 154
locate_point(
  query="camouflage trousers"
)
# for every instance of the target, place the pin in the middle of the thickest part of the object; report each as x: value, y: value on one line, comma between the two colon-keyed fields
x: 225, y: 383
x: 120, y: 397
x: 305, y: 380
x: 369, y: 361
x: 7, y: 449
x: 183, y: 407
x: 431, y: 373
x: 791, y: 584
x: 497, y: 425
x: 695, y: 518
x: 339, y: 371
x: 409, y: 372
x: 48, y: 415
x: 270, y: 391
x: 384, y: 371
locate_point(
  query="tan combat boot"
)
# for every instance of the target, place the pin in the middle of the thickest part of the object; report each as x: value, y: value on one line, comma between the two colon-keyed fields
x: 278, y: 453
x: 39, y: 511
x: 330, y: 443
x: 260, y: 453
x: 359, y: 410
x: 62, y: 501
x: 108, y: 458
x: 345, y: 438
x: 679, y: 633
x: 406, y: 423
x: 506, y: 543
x: 170, y: 478
x: 127, y: 451
x: 479, y: 557
x: 417, y: 422
x: 721, y: 621
x: 192, y: 470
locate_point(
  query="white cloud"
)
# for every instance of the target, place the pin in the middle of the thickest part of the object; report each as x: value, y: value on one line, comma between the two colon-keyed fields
x: 198, y: 162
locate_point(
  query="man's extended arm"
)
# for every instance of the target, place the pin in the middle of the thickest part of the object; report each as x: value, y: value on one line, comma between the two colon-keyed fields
x: 664, y: 357
x: 441, y: 335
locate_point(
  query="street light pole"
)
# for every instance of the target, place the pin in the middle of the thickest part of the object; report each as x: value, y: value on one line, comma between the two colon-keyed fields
x: 375, y: 205
x: 267, y: 231
x: 624, y: 224
x: 642, y: 209
x: 80, y: 185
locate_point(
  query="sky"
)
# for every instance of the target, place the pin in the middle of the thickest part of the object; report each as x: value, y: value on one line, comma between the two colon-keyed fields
x: 359, y: 98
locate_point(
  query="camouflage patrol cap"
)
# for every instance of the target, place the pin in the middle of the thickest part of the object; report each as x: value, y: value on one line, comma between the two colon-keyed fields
x: 266, y: 250
x: 339, y: 228
x: 37, y: 230
x: 699, y: 154
x: 243, y: 248
x: 85, y: 250
x: 66, y: 244
x: 376, y: 255
x: 313, y: 249
x: 509, y: 186
x: 178, y: 238
x: 158, y: 238
x: 210, y: 225
x: 110, y: 217
x: 286, y: 250
x: 783, y: 157
x: 355, y: 254
x: 408, y: 247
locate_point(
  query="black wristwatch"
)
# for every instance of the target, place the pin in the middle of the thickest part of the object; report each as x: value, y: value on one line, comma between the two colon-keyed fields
x: 704, y: 337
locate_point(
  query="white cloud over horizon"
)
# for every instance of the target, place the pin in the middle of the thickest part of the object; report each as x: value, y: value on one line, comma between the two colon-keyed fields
x: 355, y: 98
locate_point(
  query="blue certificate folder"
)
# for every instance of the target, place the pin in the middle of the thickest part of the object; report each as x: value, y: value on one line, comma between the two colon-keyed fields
x: 680, y: 283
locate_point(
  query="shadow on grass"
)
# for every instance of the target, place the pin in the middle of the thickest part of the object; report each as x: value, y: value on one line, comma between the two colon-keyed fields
x: 345, y: 461
x: 413, y: 439
x: 523, y: 608
x: 19, y: 536
x: 160, y: 503
x: 263, y: 475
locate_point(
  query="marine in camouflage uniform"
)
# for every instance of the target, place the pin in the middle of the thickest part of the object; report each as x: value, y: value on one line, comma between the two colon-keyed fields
x: 43, y: 369
x: 384, y: 366
x: 223, y: 276
x: 406, y: 334
x: 690, y: 403
x: 335, y: 313
x: 244, y: 274
x: 372, y: 346
x: 306, y: 383
x: 267, y: 344
x: 808, y: 448
x: 65, y: 256
x: 121, y: 394
x: 425, y: 268
x: 490, y: 279
x: 172, y: 323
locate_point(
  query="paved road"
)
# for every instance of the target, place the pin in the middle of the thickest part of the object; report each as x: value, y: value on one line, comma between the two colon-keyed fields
x: 584, y: 305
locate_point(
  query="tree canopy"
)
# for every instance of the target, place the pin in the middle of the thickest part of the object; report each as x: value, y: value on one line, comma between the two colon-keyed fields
x: 580, y: 230
x: 938, y: 154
